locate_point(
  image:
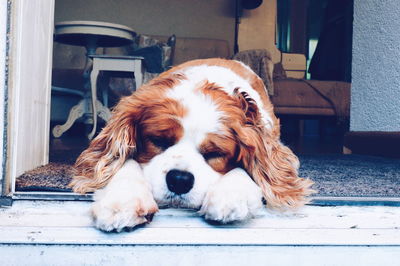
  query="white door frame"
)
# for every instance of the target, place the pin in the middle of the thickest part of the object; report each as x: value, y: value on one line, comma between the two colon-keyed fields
x: 27, y: 87
x: 3, y: 64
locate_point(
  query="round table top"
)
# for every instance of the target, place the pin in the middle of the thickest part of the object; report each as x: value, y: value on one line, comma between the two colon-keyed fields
x: 93, y: 33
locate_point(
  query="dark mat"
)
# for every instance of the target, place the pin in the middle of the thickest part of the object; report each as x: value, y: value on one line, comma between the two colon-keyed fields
x: 352, y: 175
x: 53, y: 177
x: 334, y: 175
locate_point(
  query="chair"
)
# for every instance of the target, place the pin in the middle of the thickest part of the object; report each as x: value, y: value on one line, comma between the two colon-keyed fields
x: 290, y: 93
x: 111, y: 63
x: 294, y: 95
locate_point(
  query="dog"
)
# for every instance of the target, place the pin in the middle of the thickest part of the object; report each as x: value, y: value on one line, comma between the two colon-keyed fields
x: 202, y: 135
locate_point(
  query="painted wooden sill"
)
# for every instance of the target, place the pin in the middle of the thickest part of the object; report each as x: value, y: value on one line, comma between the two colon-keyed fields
x: 68, y: 222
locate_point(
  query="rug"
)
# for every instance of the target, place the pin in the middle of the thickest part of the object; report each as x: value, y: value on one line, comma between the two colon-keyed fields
x: 53, y: 177
x: 333, y: 174
x: 352, y: 175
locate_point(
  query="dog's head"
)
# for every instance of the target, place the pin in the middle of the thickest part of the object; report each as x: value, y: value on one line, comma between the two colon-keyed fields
x: 189, y: 127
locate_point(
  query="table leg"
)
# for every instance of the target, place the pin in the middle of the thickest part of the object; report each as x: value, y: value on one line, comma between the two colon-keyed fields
x: 76, y: 112
x: 93, y: 81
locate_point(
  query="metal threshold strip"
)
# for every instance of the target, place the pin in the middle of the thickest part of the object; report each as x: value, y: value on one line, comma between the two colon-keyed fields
x: 355, y: 201
x: 318, y: 201
x: 51, y: 196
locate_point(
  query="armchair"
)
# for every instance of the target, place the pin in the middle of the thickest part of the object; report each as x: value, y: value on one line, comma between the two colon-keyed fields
x: 290, y: 93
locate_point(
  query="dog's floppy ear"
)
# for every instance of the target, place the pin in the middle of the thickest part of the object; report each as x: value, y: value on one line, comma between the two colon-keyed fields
x: 118, y: 140
x: 109, y: 150
x: 272, y: 165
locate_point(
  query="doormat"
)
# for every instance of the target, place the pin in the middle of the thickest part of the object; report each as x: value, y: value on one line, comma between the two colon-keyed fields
x: 338, y: 175
x: 52, y: 177
x: 335, y: 175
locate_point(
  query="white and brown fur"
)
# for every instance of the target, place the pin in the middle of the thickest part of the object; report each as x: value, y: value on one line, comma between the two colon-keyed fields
x: 210, y: 117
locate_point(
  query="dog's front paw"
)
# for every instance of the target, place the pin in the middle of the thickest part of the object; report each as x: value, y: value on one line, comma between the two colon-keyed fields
x: 234, y: 198
x: 111, y: 214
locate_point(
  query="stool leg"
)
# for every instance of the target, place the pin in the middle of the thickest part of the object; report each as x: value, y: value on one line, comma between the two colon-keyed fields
x: 138, y: 73
x: 93, y: 81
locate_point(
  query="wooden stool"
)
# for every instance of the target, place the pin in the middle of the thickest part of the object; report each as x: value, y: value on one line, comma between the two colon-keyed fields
x: 111, y: 63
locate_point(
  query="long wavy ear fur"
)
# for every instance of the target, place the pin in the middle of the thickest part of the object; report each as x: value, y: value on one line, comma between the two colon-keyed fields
x: 108, y: 151
x: 273, y: 166
x: 118, y: 140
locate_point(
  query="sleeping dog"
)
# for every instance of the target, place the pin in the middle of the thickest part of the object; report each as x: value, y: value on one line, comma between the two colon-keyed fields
x: 202, y: 135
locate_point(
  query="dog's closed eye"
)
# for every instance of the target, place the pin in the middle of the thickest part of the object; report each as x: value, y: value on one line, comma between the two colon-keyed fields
x: 218, y: 160
x: 161, y: 142
x: 213, y: 155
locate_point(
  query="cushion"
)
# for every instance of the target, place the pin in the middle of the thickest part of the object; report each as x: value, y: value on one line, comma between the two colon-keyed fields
x: 153, y: 58
x: 166, y: 50
x: 259, y: 60
x: 279, y: 72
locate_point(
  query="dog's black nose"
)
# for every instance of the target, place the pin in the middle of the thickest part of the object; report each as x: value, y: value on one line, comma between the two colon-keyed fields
x: 179, y: 182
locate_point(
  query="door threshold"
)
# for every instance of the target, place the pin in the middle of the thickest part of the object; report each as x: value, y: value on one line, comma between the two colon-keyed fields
x: 354, y: 201
x: 51, y: 196
x: 316, y: 201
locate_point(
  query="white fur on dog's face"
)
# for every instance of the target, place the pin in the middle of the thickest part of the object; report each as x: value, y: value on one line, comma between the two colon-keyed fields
x: 202, y: 118
x: 182, y: 156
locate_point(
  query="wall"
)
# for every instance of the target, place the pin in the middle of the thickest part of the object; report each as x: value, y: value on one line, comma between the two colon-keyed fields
x: 257, y: 29
x: 195, y: 18
x: 375, y: 96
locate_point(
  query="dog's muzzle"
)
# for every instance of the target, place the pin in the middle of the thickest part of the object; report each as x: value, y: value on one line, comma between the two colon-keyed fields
x: 179, y: 182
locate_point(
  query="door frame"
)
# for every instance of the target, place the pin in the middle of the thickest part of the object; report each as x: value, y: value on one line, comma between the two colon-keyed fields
x: 26, y: 87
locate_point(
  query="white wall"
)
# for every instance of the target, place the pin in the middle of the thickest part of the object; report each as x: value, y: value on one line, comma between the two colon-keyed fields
x: 257, y: 29
x: 375, y: 96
